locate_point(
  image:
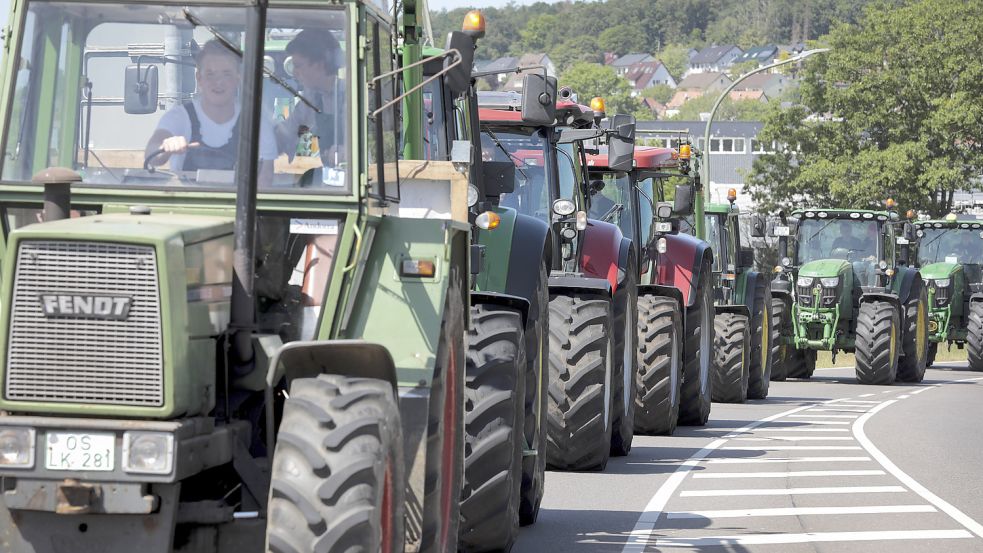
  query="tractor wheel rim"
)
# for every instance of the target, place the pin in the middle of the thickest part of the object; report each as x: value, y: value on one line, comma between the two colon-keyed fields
x: 607, y: 384
x: 705, y: 345
x: 674, y: 369
x: 921, y: 333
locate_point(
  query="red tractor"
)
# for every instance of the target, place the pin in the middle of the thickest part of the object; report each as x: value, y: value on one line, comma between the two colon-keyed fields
x: 675, y: 303
x: 592, y: 306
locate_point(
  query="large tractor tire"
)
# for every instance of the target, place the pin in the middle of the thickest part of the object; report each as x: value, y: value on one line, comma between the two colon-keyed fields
x: 933, y: 350
x: 878, y: 338
x: 731, y: 346
x: 659, y: 365
x: 493, y: 440
x: 579, y: 411
x: 974, y: 336
x: 801, y: 363
x: 537, y: 381
x: 781, y: 317
x: 762, y: 338
x: 911, y: 367
x: 625, y: 362
x: 337, y: 481
x: 444, y: 473
x: 696, y: 394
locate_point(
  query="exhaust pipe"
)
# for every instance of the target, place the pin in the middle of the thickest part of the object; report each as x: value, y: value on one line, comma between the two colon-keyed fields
x: 57, y: 182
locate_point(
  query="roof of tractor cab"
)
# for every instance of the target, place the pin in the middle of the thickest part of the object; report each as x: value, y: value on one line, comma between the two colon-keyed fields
x: 863, y: 214
x: 646, y: 157
x: 723, y: 209
x: 942, y: 223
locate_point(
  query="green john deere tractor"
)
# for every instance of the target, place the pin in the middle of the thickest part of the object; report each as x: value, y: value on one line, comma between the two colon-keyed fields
x: 950, y: 259
x: 743, y: 333
x: 846, y: 291
x: 260, y: 355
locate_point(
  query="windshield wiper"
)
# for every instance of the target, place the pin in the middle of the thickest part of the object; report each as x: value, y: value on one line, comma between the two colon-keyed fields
x: 930, y: 242
x: 615, y: 209
x: 507, y: 153
x: 198, y: 22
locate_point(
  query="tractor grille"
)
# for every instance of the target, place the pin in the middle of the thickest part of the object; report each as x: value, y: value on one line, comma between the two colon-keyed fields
x: 942, y: 295
x: 84, y: 358
x: 829, y: 295
x: 805, y: 295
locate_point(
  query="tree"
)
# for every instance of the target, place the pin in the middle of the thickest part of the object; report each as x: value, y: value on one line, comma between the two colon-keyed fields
x: 623, y: 39
x: 676, y: 59
x: 661, y: 93
x: 590, y: 79
x: 739, y: 69
x: 729, y: 110
x: 898, y: 100
x: 574, y: 50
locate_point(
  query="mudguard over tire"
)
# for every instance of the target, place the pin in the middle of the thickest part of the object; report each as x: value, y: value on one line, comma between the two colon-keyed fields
x: 695, y: 397
x: 537, y: 381
x: 974, y: 336
x: 762, y: 337
x: 625, y: 363
x: 337, y: 481
x: 493, y: 441
x: 579, y: 411
x: 781, y: 317
x: 911, y: 367
x: 731, y: 346
x: 878, y: 333
x: 659, y: 365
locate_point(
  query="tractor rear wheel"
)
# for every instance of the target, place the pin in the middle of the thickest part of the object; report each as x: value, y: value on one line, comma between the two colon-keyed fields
x: 659, y: 365
x: 911, y: 367
x: 537, y: 381
x: 695, y: 397
x: 493, y: 441
x: 337, y: 481
x: 878, y: 335
x: 625, y: 363
x: 974, y: 336
x: 731, y: 348
x: 579, y: 412
x: 781, y: 317
x: 762, y: 337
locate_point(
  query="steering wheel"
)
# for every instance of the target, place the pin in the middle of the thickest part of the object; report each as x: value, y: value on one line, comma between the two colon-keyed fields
x: 150, y: 157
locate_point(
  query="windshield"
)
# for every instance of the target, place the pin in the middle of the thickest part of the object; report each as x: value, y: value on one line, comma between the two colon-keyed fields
x: 848, y: 239
x: 526, y: 147
x: 145, y: 95
x: 611, y: 200
x: 951, y: 245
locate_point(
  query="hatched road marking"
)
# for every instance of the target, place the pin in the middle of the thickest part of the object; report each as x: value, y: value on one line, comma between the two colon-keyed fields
x: 801, y: 511
x: 787, y: 460
x: 811, y: 537
x: 794, y: 491
x: 789, y: 474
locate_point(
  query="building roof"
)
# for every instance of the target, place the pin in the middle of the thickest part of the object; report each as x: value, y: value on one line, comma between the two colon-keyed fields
x: 739, y: 95
x: 758, y: 54
x: 505, y: 62
x: 640, y: 73
x: 628, y: 60
x: 759, y: 81
x: 695, y: 128
x: 712, y: 54
x: 700, y: 81
x: 683, y: 96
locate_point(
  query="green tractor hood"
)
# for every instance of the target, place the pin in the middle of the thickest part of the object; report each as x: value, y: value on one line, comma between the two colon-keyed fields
x: 938, y: 270
x: 825, y: 268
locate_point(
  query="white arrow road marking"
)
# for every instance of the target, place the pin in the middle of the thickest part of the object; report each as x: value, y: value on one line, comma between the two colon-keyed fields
x: 793, y: 491
x: 789, y: 474
x: 802, y: 511
x: 811, y: 537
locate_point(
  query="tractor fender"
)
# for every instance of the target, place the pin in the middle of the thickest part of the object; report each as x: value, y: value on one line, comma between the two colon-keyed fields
x: 881, y: 296
x: 308, y: 359
x: 909, y: 285
x: 565, y: 283
x: 601, y: 254
x: 681, y: 265
x: 735, y: 308
x: 976, y: 297
x: 624, y: 254
x: 531, y: 245
x: 750, y: 283
x: 504, y: 300
x: 663, y: 291
x: 784, y: 294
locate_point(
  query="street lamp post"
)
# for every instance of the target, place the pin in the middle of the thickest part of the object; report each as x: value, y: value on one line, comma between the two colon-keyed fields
x: 700, y: 222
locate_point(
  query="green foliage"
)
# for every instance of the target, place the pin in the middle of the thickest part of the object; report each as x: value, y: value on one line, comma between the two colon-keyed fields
x: 575, y: 50
x: 590, y: 79
x: 676, y: 59
x: 729, y: 110
x: 623, y: 39
x: 739, y: 69
x: 661, y: 93
x: 902, y: 93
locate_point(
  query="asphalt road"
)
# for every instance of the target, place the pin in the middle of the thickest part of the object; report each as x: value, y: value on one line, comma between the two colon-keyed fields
x: 821, y: 465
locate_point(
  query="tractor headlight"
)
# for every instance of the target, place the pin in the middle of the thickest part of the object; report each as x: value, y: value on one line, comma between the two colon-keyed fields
x: 472, y: 195
x: 148, y: 452
x: 943, y: 282
x: 831, y: 282
x: 17, y: 448
x: 804, y: 281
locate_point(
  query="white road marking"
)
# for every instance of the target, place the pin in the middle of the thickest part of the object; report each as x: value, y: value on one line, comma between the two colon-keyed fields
x: 925, y: 389
x: 641, y: 534
x: 790, y: 474
x: 865, y: 395
x: 781, y: 429
x: 812, y: 537
x: 790, y: 447
x: 947, y: 508
x: 840, y: 409
x: 824, y: 416
x: 812, y: 422
x: 906, y: 396
x: 798, y: 438
x: 793, y: 491
x: 787, y: 460
x: 801, y: 511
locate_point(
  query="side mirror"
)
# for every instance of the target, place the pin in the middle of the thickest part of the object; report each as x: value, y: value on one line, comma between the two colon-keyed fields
x: 758, y: 225
x: 621, y: 142
x: 140, y: 89
x: 458, y: 78
x: 498, y: 177
x: 745, y: 257
x: 594, y: 187
x: 682, y: 203
x: 538, y: 99
x: 909, y: 232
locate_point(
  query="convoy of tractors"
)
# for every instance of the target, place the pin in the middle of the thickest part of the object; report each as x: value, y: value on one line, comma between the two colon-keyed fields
x: 380, y: 337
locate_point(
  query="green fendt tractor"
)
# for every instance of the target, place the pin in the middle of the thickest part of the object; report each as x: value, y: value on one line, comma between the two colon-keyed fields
x: 234, y: 350
x: 950, y: 259
x: 846, y: 291
x: 743, y: 333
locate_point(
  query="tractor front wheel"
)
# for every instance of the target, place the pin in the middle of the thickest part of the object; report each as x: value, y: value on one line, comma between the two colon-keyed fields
x: 911, y: 367
x: 659, y: 365
x: 537, y: 381
x: 974, y: 336
x: 625, y: 363
x: 730, y: 358
x: 781, y: 352
x: 695, y: 398
x: 761, y: 356
x: 877, y: 343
